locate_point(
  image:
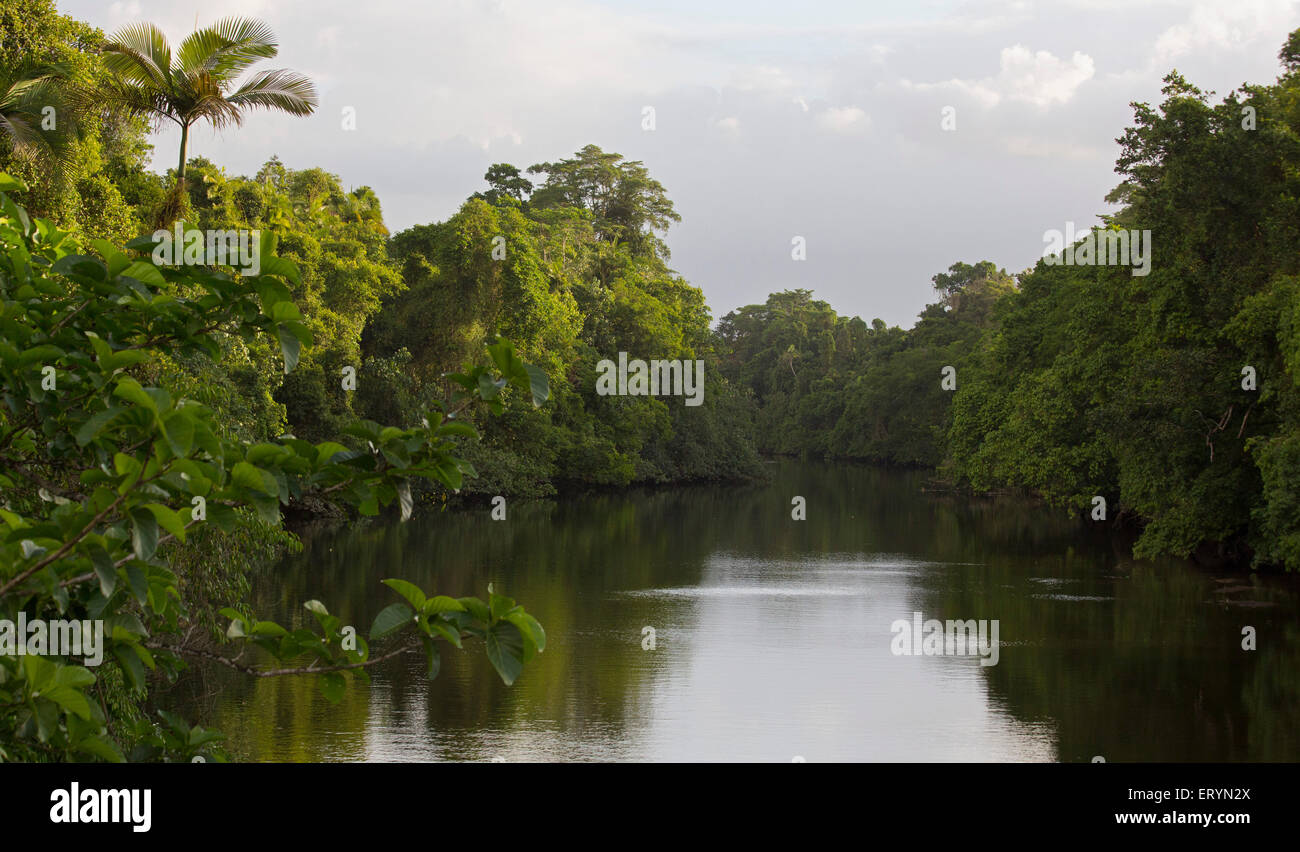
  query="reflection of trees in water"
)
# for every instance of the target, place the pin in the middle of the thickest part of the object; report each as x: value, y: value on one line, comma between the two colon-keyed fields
x: 1155, y: 674
x: 863, y: 509
x: 1271, y: 693
x: 560, y: 559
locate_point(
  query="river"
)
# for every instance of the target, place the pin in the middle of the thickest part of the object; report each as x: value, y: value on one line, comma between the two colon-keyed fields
x: 772, y: 636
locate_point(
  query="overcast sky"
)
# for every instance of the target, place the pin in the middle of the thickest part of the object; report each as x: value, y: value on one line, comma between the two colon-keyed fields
x: 772, y: 119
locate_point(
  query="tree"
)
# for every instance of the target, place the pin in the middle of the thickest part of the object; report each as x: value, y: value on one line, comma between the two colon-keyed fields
x: 964, y: 283
x: 1101, y: 382
x: 103, y: 475
x: 195, y: 84
x: 505, y: 182
x: 77, y: 155
x: 577, y: 280
x: 629, y: 206
x: 35, y: 119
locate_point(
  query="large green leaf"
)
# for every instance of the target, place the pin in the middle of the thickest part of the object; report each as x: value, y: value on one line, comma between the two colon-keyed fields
x: 391, y: 619
x: 9, y: 183
x: 144, y: 272
x: 505, y: 649
x: 537, y: 384
x: 144, y: 533
x: 178, y: 426
x: 531, y: 630
x: 332, y: 686
x: 289, y: 346
x: 168, y: 520
x: 410, y: 591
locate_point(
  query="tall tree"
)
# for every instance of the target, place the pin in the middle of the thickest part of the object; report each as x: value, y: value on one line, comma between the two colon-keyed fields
x: 195, y: 83
x: 628, y: 205
x: 505, y: 181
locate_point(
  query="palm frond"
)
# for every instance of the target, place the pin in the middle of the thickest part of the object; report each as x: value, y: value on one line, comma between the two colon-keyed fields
x: 141, y: 101
x: 140, y: 53
x: 284, y: 90
x: 249, y: 30
x: 208, y: 101
x: 27, y: 103
x: 227, y: 48
x: 22, y: 135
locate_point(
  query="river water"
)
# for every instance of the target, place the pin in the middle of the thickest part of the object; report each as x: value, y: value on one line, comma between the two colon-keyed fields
x: 773, y: 639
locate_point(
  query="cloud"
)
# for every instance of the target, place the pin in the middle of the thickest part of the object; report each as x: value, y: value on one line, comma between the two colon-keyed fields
x: 762, y: 78
x: 1221, y: 26
x: 1039, y: 147
x: 848, y: 119
x: 979, y: 92
x: 1039, y: 78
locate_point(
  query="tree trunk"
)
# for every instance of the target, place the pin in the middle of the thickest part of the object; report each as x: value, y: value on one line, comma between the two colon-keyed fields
x: 173, y: 203
x: 180, y: 166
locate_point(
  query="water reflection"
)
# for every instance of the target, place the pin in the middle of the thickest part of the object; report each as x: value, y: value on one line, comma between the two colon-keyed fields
x: 772, y: 637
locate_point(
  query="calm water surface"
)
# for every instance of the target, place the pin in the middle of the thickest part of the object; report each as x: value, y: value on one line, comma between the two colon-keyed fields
x: 773, y: 636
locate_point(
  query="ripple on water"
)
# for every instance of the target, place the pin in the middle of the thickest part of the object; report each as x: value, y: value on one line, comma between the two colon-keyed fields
x: 747, y: 591
x: 1073, y: 597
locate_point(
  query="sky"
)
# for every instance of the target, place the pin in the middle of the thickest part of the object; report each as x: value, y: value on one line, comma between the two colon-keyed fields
x: 771, y: 120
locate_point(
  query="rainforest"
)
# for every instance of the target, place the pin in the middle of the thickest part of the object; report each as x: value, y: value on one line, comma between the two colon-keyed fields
x: 172, y: 428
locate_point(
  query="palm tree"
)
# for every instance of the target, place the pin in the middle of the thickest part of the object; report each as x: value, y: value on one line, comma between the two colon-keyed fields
x: 195, y: 84
x: 36, y: 120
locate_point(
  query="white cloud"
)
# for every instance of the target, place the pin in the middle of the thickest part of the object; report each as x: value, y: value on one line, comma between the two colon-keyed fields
x: 878, y: 53
x: 848, y: 119
x: 1041, y: 78
x: 980, y: 92
x: 1223, y: 26
x: 762, y: 78
x: 329, y: 36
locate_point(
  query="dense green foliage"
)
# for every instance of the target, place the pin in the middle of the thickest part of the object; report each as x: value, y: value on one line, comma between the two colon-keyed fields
x: 1132, y: 387
x: 580, y: 275
x: 200, y: 412
x: 101, y: 473
x: 145, y: 452
x: 834, y: 386
x: 71, y: 169
x: 1083, y: 381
